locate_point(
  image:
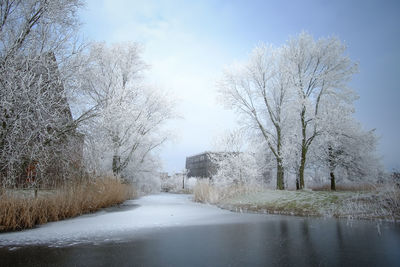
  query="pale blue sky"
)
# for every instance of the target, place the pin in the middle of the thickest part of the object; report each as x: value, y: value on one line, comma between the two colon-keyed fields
x: 187, y: 44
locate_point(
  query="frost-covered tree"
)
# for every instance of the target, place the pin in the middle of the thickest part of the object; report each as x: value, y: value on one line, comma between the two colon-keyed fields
x: 317, y: 69
x: 130, y: 114
x: 237, y: 169
x: 144, y: 174
x: 295, y: 95
x: 231, y: 141
x: 258, y: 90
x: 33, y: 27
x: 343, y: 147
x: 35, y: 41
x: 236, y: 165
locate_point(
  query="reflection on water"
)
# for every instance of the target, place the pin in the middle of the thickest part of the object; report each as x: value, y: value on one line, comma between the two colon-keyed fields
x: 275, y: 241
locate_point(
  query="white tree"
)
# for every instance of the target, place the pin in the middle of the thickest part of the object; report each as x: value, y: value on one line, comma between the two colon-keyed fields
x: 33, y: 27
x: 230, y: 141
x: 144, y: 174
x: 236, y: 165
x: 130, y: 114
x: 34, y: 116
x: 344, y: 147
x: 238, y: 169
x: 317, y: 68
x: 291, y: 96
x: 259, y: 91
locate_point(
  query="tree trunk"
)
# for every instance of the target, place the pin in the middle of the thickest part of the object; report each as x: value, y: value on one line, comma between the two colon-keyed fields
x: 116, y: 165
x: 333, y: 182
x: 331, y: 159
x: 280, y: 183
x: 303, y: 149
x: 302, y: 167
x: 280, y: 174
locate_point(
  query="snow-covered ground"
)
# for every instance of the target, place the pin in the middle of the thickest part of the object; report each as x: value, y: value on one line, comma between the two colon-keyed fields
x: 139, y: 216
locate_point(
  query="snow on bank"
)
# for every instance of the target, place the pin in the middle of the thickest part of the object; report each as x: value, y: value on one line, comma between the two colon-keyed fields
x: 383, y: 204
x: 147, y: 213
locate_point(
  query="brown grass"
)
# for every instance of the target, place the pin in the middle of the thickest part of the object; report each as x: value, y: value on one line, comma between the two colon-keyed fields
x: 17, y: 213
x: 205, y: 192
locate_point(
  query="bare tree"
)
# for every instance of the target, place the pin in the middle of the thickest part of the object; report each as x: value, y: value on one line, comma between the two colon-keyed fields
x: 317, y: 68
x: 34, y: 113
x: 230, y: 141
x: 258, y: 90
x: 34, y: 27
x: 344, y: 147
x: 236, y: 164
x: 131, y: 113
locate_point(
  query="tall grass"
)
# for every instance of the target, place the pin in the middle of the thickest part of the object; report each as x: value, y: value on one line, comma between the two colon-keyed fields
x: 19, y: 212
x: 206, y: 192
x: 382, y: 203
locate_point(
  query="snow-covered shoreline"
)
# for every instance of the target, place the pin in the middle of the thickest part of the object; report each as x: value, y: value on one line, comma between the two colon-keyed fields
x: 369, y: 205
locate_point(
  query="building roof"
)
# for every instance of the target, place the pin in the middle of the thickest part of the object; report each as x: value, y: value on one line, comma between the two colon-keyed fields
x: 210, y: 152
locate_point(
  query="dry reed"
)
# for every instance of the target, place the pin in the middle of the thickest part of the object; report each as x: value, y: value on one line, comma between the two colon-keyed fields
x: 206, y: 192
x: 17, y: 213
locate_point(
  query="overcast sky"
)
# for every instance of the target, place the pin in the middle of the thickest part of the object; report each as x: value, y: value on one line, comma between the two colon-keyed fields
x: 188, y: 43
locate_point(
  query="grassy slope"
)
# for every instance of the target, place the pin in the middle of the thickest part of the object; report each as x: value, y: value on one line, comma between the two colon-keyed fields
x: 366, y: 205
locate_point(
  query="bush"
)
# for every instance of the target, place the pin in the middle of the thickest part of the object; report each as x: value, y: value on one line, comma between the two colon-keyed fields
x: 19, y: 212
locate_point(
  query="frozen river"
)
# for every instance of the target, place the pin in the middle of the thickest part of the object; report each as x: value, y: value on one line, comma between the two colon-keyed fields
x: 171, y: 230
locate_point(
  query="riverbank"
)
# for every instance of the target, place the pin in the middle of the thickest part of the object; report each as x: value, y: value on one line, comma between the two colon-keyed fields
x: 354, y: 205
x: 20, y: 210
x: 382, y: 203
